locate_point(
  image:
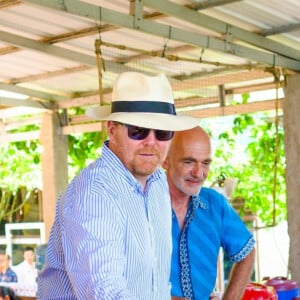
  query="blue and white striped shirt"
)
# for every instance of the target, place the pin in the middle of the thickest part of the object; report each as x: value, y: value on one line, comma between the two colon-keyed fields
x: 110, y: 239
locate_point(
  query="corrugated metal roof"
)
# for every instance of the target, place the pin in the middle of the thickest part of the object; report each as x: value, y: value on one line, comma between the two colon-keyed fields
x: 47, y: 48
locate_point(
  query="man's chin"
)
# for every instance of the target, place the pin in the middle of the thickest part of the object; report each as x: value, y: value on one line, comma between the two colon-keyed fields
x: 146, y: 170
x: 195, y: 191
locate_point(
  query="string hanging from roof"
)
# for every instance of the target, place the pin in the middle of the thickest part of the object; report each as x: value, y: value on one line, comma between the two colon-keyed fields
x: 99, y: 57
x: 100, y: 68
x: 276, y: 73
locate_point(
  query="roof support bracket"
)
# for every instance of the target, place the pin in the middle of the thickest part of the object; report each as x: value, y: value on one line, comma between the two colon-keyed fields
x: 63, y: 5
x: 228, y: 39
x: 138, y: 13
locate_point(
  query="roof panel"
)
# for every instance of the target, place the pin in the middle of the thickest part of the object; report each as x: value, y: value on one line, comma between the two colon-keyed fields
x: 58, y: 55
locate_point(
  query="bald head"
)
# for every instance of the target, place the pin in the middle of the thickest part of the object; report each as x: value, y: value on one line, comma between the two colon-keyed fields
x: 184, y: 139
x: 188, y: 161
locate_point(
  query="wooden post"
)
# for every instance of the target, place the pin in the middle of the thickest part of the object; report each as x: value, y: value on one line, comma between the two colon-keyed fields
x: 54, y: 166
x: 292, y: 152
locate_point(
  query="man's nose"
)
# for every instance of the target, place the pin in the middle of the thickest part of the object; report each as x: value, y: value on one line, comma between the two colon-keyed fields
x: 198, y: 171
x: 151, y: 137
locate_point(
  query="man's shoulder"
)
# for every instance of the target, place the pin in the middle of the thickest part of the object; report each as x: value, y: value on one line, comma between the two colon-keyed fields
x: 11, y: 274
x: 213, y: 199
x: 207, y: 192
x: 10, y: 271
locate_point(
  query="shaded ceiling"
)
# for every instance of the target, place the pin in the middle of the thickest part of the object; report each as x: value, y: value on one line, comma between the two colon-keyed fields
x: 58, y: 54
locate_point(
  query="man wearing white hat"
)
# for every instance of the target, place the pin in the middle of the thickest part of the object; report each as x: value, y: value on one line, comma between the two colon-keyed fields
x: 111, y: 238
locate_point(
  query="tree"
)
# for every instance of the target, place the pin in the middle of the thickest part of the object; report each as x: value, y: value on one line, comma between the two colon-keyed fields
x: 259, y: 167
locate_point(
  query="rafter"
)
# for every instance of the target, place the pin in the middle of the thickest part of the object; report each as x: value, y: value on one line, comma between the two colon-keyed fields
x: 32, y: 93
x: 67, y: 54
x: 281, y: 29
x: 218, y: 79
x: 248, y: 108
x: 200, y: 19
x: 41, y: 76
x: 90, y: 11
x: 4, y: 101
x: 203, y: 4
x: 9, y: 3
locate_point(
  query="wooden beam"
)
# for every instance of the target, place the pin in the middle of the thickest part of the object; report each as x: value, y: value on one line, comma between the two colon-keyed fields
x: 9, y: 3
x: 220, y: 79
x: 13, y: 112
x: 18, y: 137
x: 85, y: 101
x: 89, y: 126
x: 72, y: 129
x: 213, y: 80
x: 251, y: 88
x: 195, y: 101
x: 204, y: 4
x: 236, y: 33
x: 9, y: 50
x: 288, y: 59
x: 27, y: 103
x: 15, y: 124
x: 236, y: 109
x: 46, y: 75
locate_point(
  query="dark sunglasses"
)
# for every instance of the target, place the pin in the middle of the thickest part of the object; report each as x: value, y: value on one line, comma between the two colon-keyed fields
x: 140, y: 133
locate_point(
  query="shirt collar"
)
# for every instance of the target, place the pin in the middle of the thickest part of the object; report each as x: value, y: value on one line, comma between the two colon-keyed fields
x: 196, y: 202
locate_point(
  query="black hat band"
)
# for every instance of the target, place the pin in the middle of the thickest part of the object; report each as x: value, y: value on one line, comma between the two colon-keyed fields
x: 143, y: 107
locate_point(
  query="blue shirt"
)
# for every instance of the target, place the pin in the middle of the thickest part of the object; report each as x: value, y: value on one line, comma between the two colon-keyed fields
x: 110, y: 239
x: 211, y: 223
x: 8, y: 276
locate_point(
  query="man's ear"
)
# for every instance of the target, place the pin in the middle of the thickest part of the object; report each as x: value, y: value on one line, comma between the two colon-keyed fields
x: 111, y: 129
x: 165, y: 164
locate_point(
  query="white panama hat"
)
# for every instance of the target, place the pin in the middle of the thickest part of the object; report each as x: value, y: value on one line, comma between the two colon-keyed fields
x: 144, y: 101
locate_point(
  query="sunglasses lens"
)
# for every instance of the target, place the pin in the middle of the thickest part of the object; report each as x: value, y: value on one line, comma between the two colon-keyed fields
x: 164, y: 135
x: 137, y: 133
x: 140, y: 133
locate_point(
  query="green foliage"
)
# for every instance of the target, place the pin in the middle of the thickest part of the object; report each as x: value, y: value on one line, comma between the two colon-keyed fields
x: 20, y: 161
x: 259, y: 171
x: 83, y: 149
x: 20, y: 164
